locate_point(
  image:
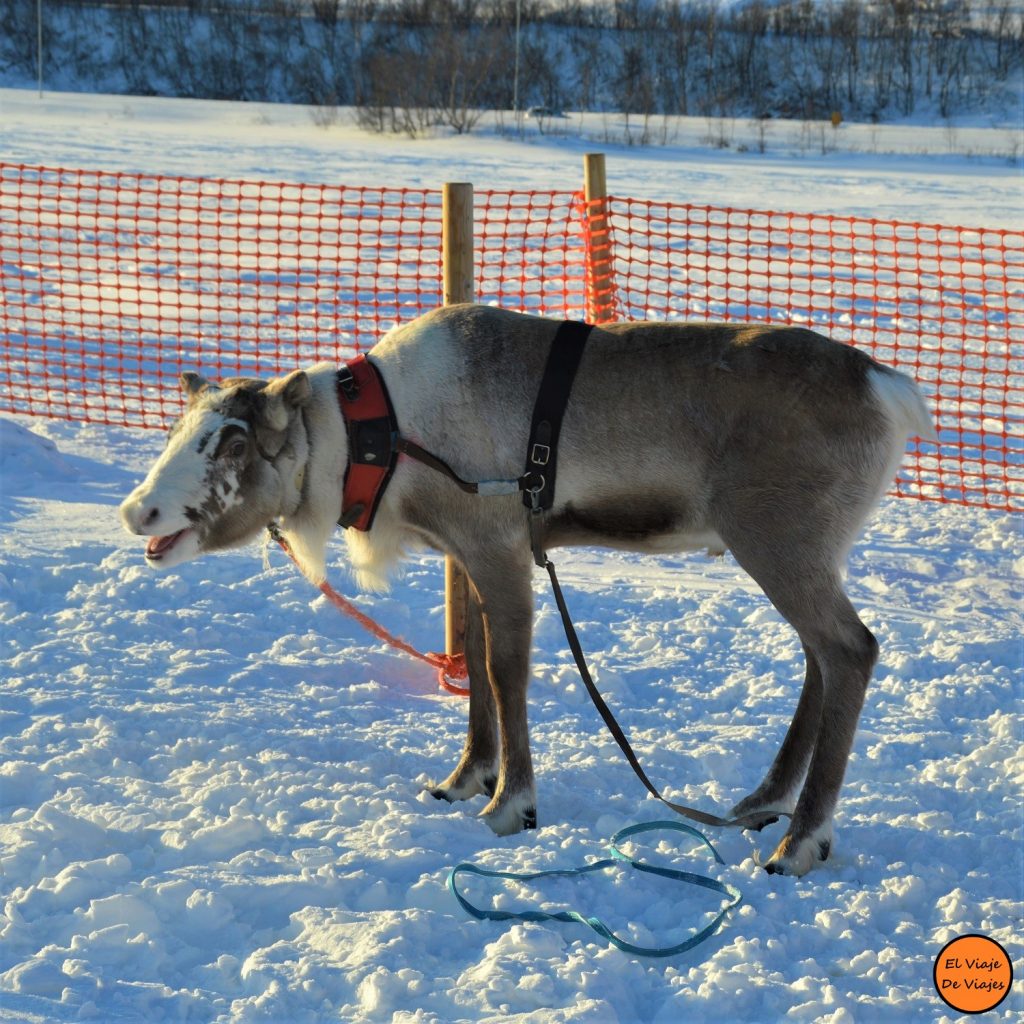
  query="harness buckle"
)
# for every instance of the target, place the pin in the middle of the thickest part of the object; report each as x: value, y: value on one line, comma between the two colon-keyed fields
x: 540, y: 454
x: 347, y: 382
x: 535, y: 492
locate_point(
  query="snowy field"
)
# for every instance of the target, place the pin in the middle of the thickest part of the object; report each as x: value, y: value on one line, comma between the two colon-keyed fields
x: 899, y: 172
x: 212, y: 800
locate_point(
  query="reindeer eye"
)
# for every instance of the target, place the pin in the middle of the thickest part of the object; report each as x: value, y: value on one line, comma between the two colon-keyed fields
x: 233, y: 444
x: 235, y: 450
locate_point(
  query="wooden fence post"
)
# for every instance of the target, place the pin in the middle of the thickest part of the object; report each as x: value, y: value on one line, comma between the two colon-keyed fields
x: 458, y: 259
x: 600, y: 296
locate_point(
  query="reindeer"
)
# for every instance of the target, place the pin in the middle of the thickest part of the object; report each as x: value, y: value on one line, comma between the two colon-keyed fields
x: 774, y: 443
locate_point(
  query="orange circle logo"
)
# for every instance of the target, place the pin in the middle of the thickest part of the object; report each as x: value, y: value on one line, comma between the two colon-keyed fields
x: 973, y: 974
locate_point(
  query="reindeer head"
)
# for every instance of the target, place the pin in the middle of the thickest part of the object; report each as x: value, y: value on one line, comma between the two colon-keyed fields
x: 233, y: 463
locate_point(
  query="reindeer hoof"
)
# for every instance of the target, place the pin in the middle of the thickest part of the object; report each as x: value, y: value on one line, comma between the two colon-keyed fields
x: 512, y: 815
x: 797, y: 856
x: 464, y: 783
x: 763, y: 824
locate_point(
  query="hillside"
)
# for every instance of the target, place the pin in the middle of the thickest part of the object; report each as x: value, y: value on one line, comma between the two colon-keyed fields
x: 410, y: 65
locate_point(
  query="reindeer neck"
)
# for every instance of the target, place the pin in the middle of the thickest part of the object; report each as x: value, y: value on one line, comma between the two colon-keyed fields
x: 313, y: 484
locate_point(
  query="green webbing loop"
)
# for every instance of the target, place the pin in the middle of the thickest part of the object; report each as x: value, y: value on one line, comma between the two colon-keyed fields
x: 617, y: 857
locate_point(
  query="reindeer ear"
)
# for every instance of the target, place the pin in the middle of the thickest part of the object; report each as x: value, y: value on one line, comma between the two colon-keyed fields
x: 295, y: 389
x: 283, y: 395
x: 194, y: 385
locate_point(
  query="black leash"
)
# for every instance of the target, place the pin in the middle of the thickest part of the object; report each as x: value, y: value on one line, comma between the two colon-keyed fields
x: 541, y: 462
x: 756, y: 821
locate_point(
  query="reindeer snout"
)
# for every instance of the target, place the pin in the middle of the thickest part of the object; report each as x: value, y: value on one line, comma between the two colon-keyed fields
x: 139, y: 514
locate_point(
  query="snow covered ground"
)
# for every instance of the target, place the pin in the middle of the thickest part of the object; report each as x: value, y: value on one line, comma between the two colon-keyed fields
x: 211, y: 785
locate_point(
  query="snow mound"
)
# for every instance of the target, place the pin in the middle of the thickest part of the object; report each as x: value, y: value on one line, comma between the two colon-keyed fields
x: 25, y: 454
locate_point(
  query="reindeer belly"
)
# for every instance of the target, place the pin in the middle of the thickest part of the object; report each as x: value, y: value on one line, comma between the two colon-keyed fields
x: 658, y: 526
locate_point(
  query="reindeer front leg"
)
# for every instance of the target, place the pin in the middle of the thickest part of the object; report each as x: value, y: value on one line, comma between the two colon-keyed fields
x: 477, y: 770
x: 506, y: 603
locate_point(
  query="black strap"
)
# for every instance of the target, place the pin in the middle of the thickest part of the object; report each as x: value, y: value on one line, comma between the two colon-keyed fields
x: 552, y: 398
x: 414, y: 451
x: 485, y: 488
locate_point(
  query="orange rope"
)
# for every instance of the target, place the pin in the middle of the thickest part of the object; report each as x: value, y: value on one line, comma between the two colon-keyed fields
x: 449, y: 666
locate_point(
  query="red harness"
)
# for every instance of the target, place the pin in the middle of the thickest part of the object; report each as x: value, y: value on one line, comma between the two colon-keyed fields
x: 372, y: 435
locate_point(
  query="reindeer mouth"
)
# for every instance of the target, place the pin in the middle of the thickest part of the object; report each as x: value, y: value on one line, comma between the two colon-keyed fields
x: 159, y: 547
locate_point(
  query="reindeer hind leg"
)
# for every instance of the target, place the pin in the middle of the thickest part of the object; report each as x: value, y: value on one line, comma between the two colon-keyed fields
x: 804, y: 585
x: 847, y: 652
x: 778, y: 791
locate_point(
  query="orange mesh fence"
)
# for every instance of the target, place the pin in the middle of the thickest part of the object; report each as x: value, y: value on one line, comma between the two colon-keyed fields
x: 115, y: 283
x: 944, y: 304
x: 530, y: 253
x: 112, y: 284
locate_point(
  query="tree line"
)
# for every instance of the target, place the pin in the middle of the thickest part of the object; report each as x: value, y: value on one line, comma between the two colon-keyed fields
x: 408, y: 65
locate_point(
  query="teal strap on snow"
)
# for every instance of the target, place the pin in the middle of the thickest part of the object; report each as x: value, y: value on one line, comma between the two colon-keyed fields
x: 617, y: 857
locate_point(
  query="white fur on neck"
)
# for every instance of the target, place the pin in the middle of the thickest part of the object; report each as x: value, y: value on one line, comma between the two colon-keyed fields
x: 308, y: 530
x: 374, y: 555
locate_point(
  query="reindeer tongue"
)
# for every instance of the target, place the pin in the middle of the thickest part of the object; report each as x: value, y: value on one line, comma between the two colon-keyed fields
x: 158, y: 546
